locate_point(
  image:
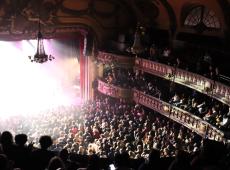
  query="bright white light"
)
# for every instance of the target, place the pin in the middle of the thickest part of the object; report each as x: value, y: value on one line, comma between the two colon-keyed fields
x: 27, y: 88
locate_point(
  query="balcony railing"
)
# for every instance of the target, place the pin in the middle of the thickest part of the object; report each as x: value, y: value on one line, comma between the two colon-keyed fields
x: 114, y: 91
x: 183, y: 117
x: 197, y: 82
x: 110, y: 58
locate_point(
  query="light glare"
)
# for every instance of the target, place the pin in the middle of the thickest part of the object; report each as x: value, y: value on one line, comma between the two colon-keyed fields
x: 28, y: 88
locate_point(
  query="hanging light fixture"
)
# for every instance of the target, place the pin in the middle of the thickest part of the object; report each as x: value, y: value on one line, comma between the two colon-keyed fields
x: 137, y: 46
x: 40, y: 55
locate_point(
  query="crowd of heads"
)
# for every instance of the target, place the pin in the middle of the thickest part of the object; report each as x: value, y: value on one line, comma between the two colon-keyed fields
x: 105, y: 127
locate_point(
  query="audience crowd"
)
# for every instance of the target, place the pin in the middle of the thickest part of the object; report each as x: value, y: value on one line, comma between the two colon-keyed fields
x: 113, y: 130
x: 107, y: 133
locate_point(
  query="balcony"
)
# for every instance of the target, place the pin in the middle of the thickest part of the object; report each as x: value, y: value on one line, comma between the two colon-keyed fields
x: 109, y: 58
x: 183, y: 117
x: 197, y: 82
x: 187, y: 119
x: 114, y: 91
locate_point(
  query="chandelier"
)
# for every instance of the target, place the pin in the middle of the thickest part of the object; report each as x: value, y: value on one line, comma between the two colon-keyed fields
x: 40, y: 55
x: 137, y: 46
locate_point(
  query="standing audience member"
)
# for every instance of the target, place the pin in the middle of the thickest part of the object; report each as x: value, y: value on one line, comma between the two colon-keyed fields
x: 93, y: 163
x: 122, y: 161
x: 154, y: 161
x: 181, y: 162
x: 8, y: 146
x: 22, y: 152
x: 56, y: 163
x: 41, y: 157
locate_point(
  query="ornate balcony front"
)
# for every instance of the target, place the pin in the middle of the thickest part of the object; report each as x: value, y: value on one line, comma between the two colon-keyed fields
x: 183, y: 117
x: 114, y: 91
x: 109, y: 58
x: 197, y: 82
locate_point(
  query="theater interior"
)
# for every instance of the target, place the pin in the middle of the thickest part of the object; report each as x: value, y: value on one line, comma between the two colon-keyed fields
x: 114, y: 84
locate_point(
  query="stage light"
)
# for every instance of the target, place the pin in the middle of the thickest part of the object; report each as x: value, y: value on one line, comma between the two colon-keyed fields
x: 40, y: 56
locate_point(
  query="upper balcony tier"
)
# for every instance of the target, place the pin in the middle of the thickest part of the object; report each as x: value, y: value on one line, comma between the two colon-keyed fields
x: 195, y: 81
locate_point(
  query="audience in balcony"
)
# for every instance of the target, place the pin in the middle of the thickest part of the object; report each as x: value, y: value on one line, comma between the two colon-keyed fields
x: 209, y: 109
x: 118, y: 76
x: 200, y: 105
x: 204, y: 64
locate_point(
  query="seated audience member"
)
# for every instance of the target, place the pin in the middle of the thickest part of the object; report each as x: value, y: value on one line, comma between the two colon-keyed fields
x: 166, y: 52
x: 166, y: 56
x: 41, y: 157
x: 175, y: 99
x: 202, y: 109
x: 225, y: 123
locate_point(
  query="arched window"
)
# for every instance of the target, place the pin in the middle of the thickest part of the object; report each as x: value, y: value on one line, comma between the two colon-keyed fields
x: 202, y: 17
x: 194, y: 17
x: 210, y: 19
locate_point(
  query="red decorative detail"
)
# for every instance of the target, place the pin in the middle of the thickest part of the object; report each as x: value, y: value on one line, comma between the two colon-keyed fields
x: 113, y: 58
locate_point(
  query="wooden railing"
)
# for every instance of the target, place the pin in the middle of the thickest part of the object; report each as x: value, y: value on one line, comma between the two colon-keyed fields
x: 110, y: 58
x: 114, y: 91
x: 183, y: 117
x: 195, y: 81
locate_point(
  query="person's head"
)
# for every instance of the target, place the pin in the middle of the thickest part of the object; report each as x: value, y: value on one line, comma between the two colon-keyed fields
x: 56, y: 163
x: 45, y: 142
x: 64, y: 154
x: 6, y: 138
x: 93, y: 162
x: 20, y: 139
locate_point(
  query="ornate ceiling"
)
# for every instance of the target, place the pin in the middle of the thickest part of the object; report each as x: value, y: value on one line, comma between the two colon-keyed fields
x: 19, y: 18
